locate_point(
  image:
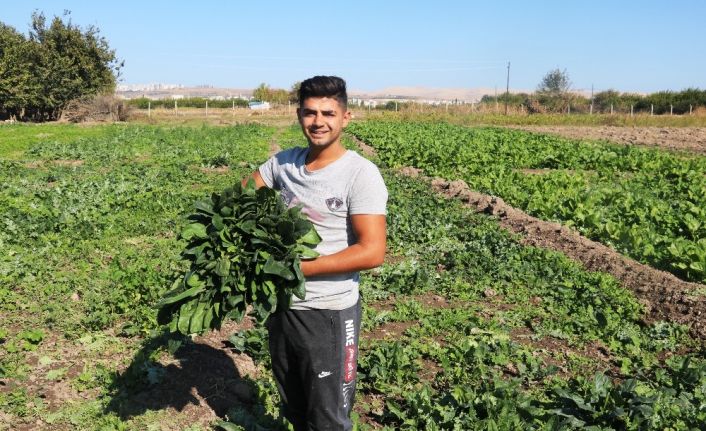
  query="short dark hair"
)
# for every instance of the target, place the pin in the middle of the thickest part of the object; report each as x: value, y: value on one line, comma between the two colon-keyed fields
x: 324, y: 86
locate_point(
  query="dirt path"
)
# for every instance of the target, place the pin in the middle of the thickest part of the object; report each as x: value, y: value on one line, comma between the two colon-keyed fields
x: 664, y: 296
x: 692, y: 139
x: 274, y: 145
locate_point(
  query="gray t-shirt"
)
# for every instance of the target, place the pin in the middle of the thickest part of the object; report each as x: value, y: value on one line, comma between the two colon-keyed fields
x: 348, y: 186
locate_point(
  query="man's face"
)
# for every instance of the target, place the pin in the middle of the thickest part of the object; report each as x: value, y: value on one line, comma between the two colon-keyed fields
x: 322, y: 120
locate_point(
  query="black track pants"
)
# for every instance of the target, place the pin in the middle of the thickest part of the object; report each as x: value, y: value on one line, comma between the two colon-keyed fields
x: 314, y: 360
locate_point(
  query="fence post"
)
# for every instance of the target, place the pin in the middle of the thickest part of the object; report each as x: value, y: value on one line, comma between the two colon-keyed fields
x: 611, y: 109
x: 175, y: 108
x: 590, y: 109
x: 671, y: 109
x: 395, y: 106
x: 207, y: 108
x: 631, y: 110
x: 568, y: 109
x: 652, y: 109
x: 690, y: 107
x: 149, y: 108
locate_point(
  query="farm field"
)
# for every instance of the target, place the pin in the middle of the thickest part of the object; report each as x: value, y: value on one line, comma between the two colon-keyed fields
x: 465, y: 326
x: 691, y: 139
x: 646, y: 203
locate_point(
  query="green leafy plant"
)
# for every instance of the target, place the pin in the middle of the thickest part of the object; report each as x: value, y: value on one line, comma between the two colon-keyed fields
x: 646, y: 203
x: 252, y: 342
x: 245, y: 247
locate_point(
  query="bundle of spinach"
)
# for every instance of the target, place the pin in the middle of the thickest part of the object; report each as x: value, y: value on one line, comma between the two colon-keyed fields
x: 245, y: 248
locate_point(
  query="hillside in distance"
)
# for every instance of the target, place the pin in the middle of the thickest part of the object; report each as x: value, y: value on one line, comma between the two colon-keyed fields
x: 163, y: 91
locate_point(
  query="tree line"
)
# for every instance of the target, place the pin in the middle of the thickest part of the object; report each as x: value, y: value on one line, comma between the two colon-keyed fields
x: 187, y: 102
x: 662, y: 102
x: 263, y: 93
x: 57, y: 62
x: 554, y: 95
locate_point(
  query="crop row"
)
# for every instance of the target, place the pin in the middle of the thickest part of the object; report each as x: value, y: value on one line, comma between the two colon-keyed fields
x: 646, y: 203
x: 488, y: 375
x: 466, y: 329
x: 92, y: 248
x: 477, y: 306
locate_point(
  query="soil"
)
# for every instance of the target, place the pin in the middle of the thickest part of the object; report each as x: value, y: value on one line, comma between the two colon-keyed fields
x: 201, y: 381
x: 214, y: 170
x: 431, y: 299
x: 664, y: 296
x: 691, y: 139
x: 68, y: 163
x: 389, y: 331
x: 274, y: 146
x: 557, y: 352
x: 40, y: 164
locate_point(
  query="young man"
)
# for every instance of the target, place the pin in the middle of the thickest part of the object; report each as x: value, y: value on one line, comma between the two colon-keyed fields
x: 314, y: 345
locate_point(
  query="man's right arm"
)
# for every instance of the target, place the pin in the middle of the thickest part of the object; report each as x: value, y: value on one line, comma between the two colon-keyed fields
x: 259, y: 182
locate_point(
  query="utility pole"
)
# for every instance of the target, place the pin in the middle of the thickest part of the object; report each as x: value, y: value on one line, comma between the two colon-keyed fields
x: 507, y: 88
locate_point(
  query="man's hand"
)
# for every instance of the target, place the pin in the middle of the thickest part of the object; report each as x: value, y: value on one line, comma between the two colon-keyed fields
x: 259, y: 182
x: 368, y: 251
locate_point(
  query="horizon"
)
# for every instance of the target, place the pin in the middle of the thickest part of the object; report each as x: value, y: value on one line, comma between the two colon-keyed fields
x: 449, y: 44
x: 377, y: 92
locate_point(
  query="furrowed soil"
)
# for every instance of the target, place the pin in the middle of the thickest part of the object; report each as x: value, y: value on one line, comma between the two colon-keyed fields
x: 691, y: 139
x: 664, y: 296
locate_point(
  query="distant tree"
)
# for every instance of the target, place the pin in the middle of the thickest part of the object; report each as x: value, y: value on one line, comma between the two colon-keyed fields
x: 266, y: 93
x: 553, y: 90
x: 59, y: 62
x: 555, y: 82
x: 279, y: 95
x: 689, y: 98
x: 262, y: 92
x: 603, y: 100
x: 19, y: 89
x: 294, y: 92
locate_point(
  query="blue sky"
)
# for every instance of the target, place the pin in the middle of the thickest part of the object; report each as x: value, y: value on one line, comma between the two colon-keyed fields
x: 639, y: 46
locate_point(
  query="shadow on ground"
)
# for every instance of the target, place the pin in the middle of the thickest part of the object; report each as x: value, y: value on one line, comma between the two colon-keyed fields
x: 194, y: 374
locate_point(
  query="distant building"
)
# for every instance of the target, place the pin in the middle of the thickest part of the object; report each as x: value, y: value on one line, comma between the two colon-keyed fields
x: 147, y: 87
x: 257, y: 105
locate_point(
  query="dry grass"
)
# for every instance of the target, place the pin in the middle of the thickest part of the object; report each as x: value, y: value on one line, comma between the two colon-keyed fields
x: 480, y: 114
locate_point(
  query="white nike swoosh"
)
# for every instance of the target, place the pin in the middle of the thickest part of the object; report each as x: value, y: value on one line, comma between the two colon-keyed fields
x: 324, y: 374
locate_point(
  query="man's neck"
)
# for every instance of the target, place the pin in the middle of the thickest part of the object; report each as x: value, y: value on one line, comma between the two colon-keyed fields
x: 319, y: 157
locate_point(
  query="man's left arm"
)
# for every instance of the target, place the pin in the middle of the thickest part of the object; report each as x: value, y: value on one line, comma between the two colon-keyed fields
x: 368, y: 251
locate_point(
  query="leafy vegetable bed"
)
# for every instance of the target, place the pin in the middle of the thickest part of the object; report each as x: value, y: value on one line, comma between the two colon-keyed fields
x: 523, y: 339
x: 463, y: 328
x: 648, y: 204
